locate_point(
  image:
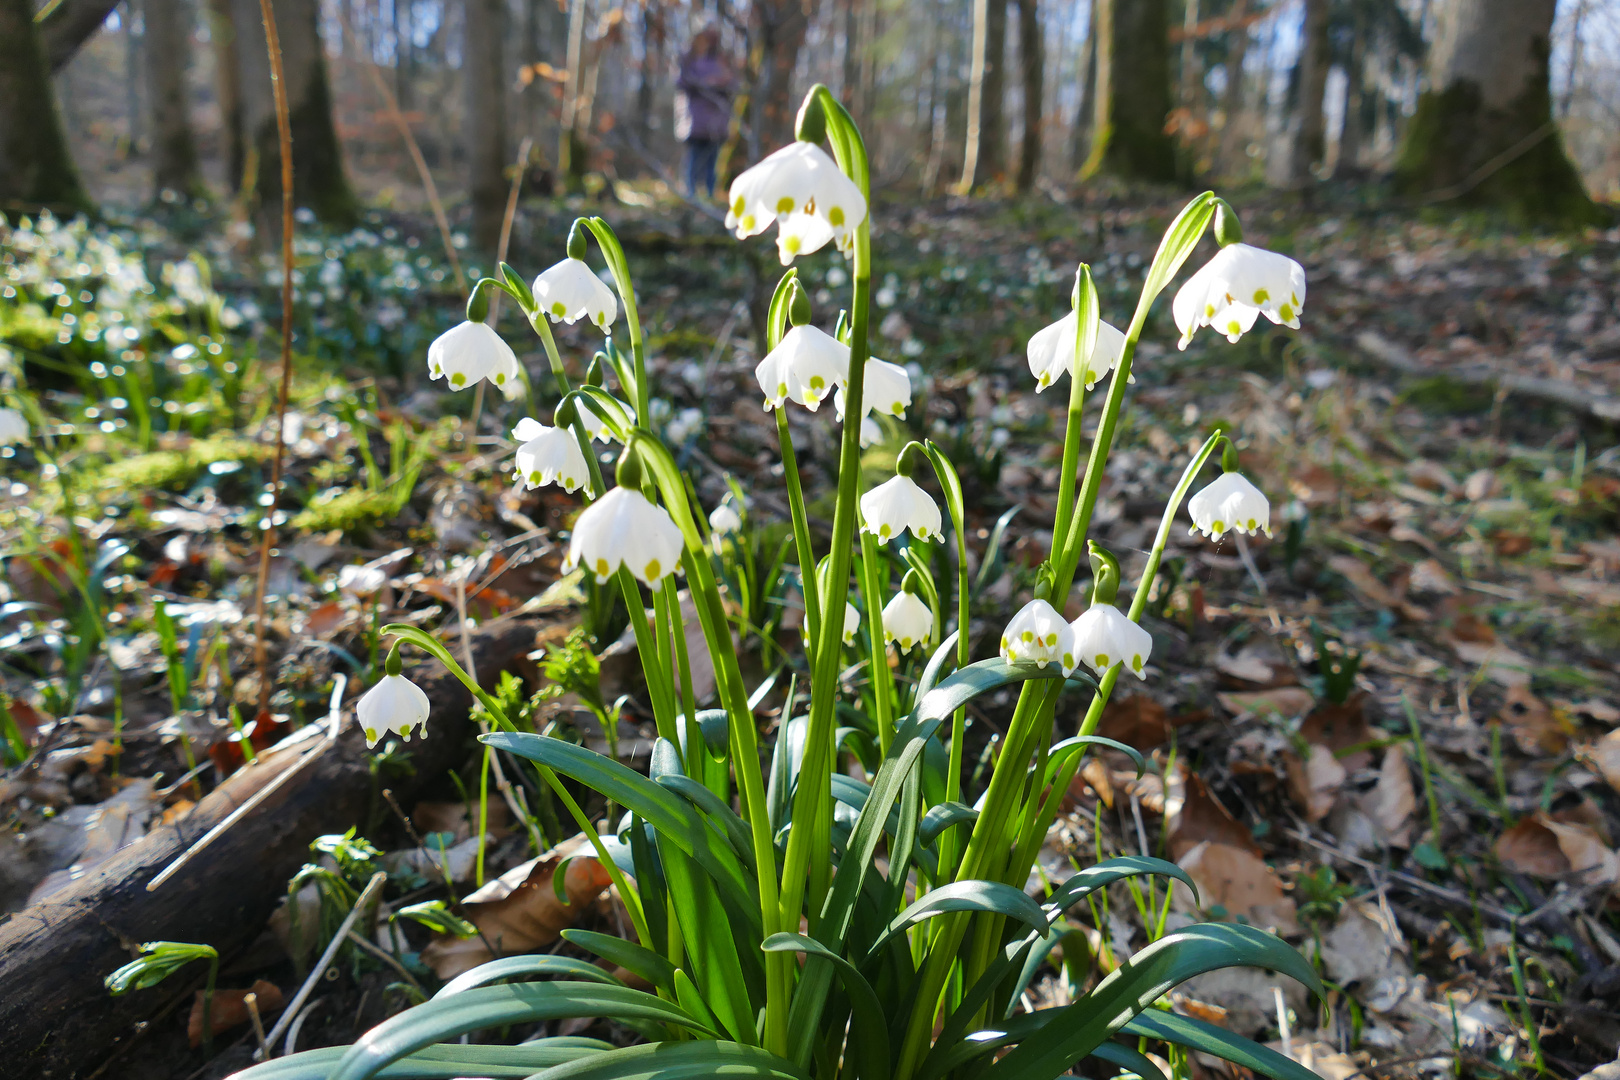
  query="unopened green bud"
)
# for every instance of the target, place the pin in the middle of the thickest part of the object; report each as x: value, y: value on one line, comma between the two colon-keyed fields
x: 596, y: 374
x: 566, y: 413
x: 913, y: 457
x: 392, y: 665
x: 478, y: 303
x: 798, y: 304
x: 811, y: 124
x: 629, y: 471
x: 1228, y: 230
x: 1229, y: 456
x: 1105, y: 574
x: 576, y: 239
x: 913, y: 583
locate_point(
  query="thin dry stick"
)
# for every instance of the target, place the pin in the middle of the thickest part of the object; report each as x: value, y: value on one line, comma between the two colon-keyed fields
x: 252, y: 1002
x: 278, y: 85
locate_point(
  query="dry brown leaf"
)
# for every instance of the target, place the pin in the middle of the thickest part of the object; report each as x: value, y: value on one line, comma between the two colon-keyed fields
x: 326, y: 620
x: 1429, y: 577
x: 1500, y: 663
x: 519, y: 911
x: 1095, y: 775
x: 1139, y: 721
x: 1392, y: 801
x: 1374, y: 591
x: 1531, y: 848
x: 1240, y: 882
x: 458, y: 818
x: 1283, y: 703
x: 1314, y: 782
x: 1590, y: 859
x: 1606, y: 756
x: 1259, y: 665
x: 1340, y: 726
x: 230, y: 1008
x: 1534, y: 726
x: 1198, y: 816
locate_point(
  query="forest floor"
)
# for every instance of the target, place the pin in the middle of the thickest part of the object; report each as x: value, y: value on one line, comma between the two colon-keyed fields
x: 1391, y: 733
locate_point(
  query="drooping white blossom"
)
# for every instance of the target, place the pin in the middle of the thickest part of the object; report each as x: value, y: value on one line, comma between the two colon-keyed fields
x: 897, y: 505
x: 907, y: 620
x: 1051, y: 352
x: 1235, y: 287
x: 1038, y: 634
x: 871, y: 432
x: 852, y: 622
x: 801, y: 187
x: 471, y: 351
x: 13, y: 427
x: 886, y: 389
x: 724, y: 520
x: 623, y: 528
x: 362, y: 581
x: 570, y: 291
x: 395, y: 705
x: 548, y: 455
x: 1104, y: 637
x: 596, y: 427
x: 805, y: 366
x: 1231, y: 502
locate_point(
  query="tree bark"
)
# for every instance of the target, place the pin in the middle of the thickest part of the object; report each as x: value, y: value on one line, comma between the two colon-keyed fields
x: 1133, y: 92
x: 319, y: 182
x: 1314, y: 58
x: 168, y: 50
x: 1483, y: 132
x: 1231, y: 158
x: 1032, y: 56
x: 483, y: 79
x: 1352, y: 131
x: 57, y: 1021
x: 36, y: 169
x: 1085, y: 111
x: 984, y: 155
x: 782, y: 26
x: 69, y: 25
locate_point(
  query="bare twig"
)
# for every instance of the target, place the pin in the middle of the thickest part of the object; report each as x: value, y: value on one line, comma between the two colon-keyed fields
x: 278, y: 84
x: 251, y: 1000
x: 386, y: 957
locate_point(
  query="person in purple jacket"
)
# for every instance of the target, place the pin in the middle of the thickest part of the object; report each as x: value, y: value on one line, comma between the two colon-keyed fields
x: 703, y: 108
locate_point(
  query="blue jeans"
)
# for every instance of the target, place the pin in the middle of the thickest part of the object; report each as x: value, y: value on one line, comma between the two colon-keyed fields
x: 701, y: 156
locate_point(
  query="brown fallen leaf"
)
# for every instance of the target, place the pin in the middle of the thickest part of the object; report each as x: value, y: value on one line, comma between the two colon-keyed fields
x: 1605, y: 755
x: 326, y: 620
x: 1198, y: 816
x: 1259, y: 665
x: 1139, y: 721
x: 1590, y: 859
x: 1315, y: 781
x: 1240, y: 882
x: 1429, y: 577
x: 1095, y: 775
x: 1499, y: 663
x: 1393, y: 800
x: 519, y: 911
x: 1543, y: 847
x: 1510, y: 545
x: 1533, y: 725
x: 1283, y: 703
x: 230, y: 1008
x: 1374, y: 591
x: 1340, y: 726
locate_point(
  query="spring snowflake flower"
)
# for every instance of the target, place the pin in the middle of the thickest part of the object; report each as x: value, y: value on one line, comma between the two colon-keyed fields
x: 852, y: 622
x: 907, y: 620
x: 469, y: 352
x: 802, y: 188
x: 1232, y: 290
x: 887, y: 389
x: 362, y: 581
x: 805, y: 366
x: 1231, y: 502
x: 1104, y: 637
x: 569, y: 292
x: 595, y: 426
x: 871, y: 432
x: 724, y: 520
x: 396, y: 705
x: 548, y: 455
x: 13, y: 427
x: 897, y: 505
x: 1051, y: 352
x: 623, y: 528
x: 1039, y: 635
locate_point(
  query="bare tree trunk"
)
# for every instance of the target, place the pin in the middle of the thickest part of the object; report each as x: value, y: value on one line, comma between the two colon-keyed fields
x: 68, y: 25
x: 483, y: 84
x: 1032, y: 55
x: 174, y: 149
x: 653, y: 33
x: 1133, y: 91
x: 1230, y: 159
x: 1348, y: 161
x: 319, y: 182
x: 1310, y: 139
x: 782, y: 26
x: 36, y: 169
x: 1086, y: 108
x: 570, y: 147
x: 1484, y: 132
x: 984, y: 153
x: 403, y: 31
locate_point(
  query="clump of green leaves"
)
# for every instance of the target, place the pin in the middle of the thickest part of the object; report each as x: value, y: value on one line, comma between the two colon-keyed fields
x: 1337, y: 667
x: 175, y: 468
x: 159, y: 960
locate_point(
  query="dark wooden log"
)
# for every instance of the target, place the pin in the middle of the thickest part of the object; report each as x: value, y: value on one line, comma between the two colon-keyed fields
x: 57, y: 1021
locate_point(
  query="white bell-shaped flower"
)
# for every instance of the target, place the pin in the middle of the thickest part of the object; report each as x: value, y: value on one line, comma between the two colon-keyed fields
x: 897, y: 505
x: 907, y: 620
x: 1051, y: 352
x: 469, y: 352
x: 801, y: 186
x: 887, y: 389
x: 805, y: 366
x: 724, y: 520
x: 570, y: 291
x: 395, y: 705
x: 623, y: 528
x: 13, y: 427
x: 1104, y: 637
x: 871, y: 432
x: 1235, y: 287
x: 362, y: 581
x: 1038, y: 634
x: 1231, y: 502
x: 852, y: 622
x: 595, y: 426
x: 548, y: 455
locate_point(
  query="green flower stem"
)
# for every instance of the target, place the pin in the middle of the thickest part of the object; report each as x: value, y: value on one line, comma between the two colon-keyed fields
x: 613, y: 252
x: 208, y: 1006
x: 874, y: 572
x: 542, y: 327
x: 1085, y: 341
x: 428, y: 644
x: 801, y: 540
x: 695, y: 750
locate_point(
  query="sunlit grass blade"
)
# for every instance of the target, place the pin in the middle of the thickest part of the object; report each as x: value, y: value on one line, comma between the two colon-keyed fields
x: 869, y: 1029
x: 634, y: 958
x: 1198, y: 1035
x: 679, y: 1061
x: 438, y: 1062
x: 519, y: 967
x: 986, y: 896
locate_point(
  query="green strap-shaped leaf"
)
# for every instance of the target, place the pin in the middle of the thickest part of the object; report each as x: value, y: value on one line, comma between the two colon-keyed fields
x: 699, y: 1060
x: 1074, y: 1031
x: 990, y: 896
x: 936, y: 664
x: 1060, y: 753
x: 709, y: 805
x: 499, y: 1006
x: 1200, y: 1035
x: 992, y: 550
x: 1080, y: 885
x: 714, y: 945
x: 519, y: 967
x: 975, y: 679
x: 438, y: 1062
x: 776, y: 319
x: 869, y: 1029
x: 1130, y: 1059
x: 635, y: 958
x: 942, y: 817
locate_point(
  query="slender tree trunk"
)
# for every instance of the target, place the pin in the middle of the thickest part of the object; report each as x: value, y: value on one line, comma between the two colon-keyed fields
x: 1133, y: 91
x: 132, y: 73
x: 483, y: 84
x: 36, y: 169
x: 652, y: 68
x: 174, y: 149
x: 984, y: 155
x: 319, y: 182
x: 68, y: 25
x: 1032, y: 55
x: 403, y: 30
x: 1348, y: 161
x: 1085, y: 110
x: 1310, y: 139
x: 850, y: 77
x: 1231, y: 159
x: 866, y: 88
x: 1483, y: 132
x: 782, y: 26
x: 570, y: 147
x: 228, y: 87
x: 1187, y: 75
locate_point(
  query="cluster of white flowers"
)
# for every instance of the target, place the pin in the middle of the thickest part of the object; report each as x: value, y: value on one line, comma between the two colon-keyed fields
x: 801, y: 189
x: 1100, y: 638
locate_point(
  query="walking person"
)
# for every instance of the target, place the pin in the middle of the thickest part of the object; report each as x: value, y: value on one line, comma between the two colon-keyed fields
x: 703, y: 108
